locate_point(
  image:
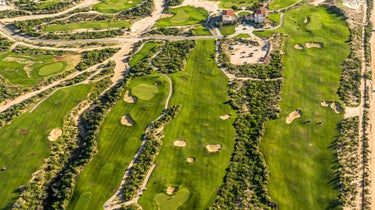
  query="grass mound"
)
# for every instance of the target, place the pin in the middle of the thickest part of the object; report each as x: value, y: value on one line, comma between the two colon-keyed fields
x: 145, y: 92
x: 51, y: 68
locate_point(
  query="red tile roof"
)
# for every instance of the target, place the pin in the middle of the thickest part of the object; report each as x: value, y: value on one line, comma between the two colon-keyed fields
x: 261, y: 11
x: 228, y: 12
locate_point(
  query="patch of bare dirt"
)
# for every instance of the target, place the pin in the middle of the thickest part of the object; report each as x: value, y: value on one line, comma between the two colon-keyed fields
x: 55, y: 134
x: 128, y: 98
x: 213, y: 147
x: 166, y: 15
x: 127, y: 120
x: 314, y: 44
x: 293, y: 115
x: 180, y: 143
x: 225, y: 117
x: 317, y: 2
x: 352, y: 4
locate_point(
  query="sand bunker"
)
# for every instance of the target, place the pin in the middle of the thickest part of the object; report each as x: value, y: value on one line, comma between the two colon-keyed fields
x: 314, y: 44
x: 190, y: 159
x: 128, y: 98
x: 298, y: 46
x: 292, y: 116
x: 55, y: 134
x: 307, y: 20
x: 127, y: 120
x: 213, y: 147
x: 336, y: 107
x: 325, y: 103
x: 225, y: 117
x: 166, y: 15
x: 171, y: 190
x: 180, y: 143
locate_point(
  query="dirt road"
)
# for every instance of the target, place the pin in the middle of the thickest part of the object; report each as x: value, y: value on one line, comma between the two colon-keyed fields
x: 372, y: 115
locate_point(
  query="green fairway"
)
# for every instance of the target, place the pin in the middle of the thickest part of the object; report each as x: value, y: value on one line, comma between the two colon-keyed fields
x: 51, y: 68
x: 200, y: 30
x: 279, y: 4
x: 24, y: 143
x: 237, y: 3
x: 117, y: 146
x: 201, y: 89
x: 298, y: 154
x: 113, y: 6
x: 144, y: 91
x: 146, y: 50
x: 228, y: 30
x: 97, y: 25
x: 172, y: 202
x: 186, y: 15
x: 23, y: 69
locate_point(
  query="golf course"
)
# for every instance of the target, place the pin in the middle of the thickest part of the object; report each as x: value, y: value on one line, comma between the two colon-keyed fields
x: 187, y: 104
x: 201, y: 90
x: 27, y: 135
x: 298, y: 154
x: 120, y: 138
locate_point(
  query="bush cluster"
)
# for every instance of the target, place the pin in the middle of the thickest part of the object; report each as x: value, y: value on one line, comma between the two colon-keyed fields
x: 173, y: 56
x: 90, y: 58
x: 346, y: 147
x: 148, y: 154
x: 245, y: 183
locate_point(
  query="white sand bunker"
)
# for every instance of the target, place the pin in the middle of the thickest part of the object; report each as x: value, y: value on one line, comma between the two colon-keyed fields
x: 190, y: 159
x: 314, y: 44
x: 213, y: 147
x: 293, y: 115
x: 336, y: 107
x: 307, y: 20
x: 166, y: 15
x: 128, y: 98
x: 325, y: 103
x: 180, y: 143
x: 127, y: 120
x: 55, y: 134
x: 298, y: 46
x: 225, y: 117
x: 170, y: 190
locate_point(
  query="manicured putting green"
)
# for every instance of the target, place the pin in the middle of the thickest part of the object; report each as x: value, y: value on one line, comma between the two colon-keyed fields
x: 172, y: 202
x: 51, y: 68
x: 145, y: 92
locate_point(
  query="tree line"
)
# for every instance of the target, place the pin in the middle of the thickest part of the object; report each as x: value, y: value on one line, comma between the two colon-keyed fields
x: 245, y: 183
